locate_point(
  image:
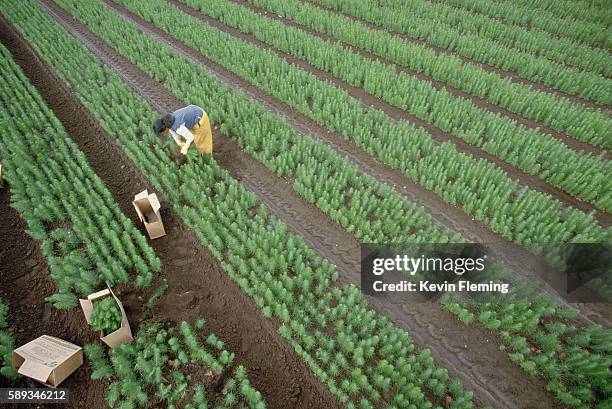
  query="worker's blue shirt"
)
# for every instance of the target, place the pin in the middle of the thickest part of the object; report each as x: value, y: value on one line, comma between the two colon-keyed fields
x: 189, y: 115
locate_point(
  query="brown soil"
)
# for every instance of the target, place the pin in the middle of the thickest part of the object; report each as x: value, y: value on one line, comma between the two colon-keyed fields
x: 515, y: 77
x: 429, y: 325
x: 367, y: 100
x: 198, y: 287
x: 574, y: 144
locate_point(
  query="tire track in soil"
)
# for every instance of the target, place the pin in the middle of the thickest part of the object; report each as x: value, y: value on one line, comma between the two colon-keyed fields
x: 428, y: 324
x: 512, y: 75
x: 198, y: 287
x: 482, y: 103
x: 522, y: 262
x: 397, y: 114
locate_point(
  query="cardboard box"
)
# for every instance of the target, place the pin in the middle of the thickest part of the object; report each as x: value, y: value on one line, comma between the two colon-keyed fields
x: 147, y: 206
x: 124, y: 334
x: 48, y: 360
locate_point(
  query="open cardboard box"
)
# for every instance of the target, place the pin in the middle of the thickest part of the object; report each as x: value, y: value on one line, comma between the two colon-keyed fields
x: 124, y: 334
x: 147, y: 206
x: 48, y: 360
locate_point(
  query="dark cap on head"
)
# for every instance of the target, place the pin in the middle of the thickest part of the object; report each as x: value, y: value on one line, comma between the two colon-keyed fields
x: 163, y: 122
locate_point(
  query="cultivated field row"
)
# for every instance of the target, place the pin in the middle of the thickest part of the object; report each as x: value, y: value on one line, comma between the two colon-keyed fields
x: 590, y: 86
x: 314, y: 168
x: 260, y: 286
x: 420, y: 323
x: 347, y: 216
x: 532, y: 108
x: 507, y: 144
x: 339, y: 122
x: 268, y: 353
x: 507, y: 37
x: 577, y: 21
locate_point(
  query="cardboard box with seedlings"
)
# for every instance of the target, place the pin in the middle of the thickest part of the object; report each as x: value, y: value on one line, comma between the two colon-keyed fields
x: 147, y: 206
x: 102, y: 310
x: 48, y: 360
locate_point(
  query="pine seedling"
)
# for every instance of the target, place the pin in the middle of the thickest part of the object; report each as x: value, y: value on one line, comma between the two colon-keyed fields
x: 106, y: 316
x: 3, y: 315
x: 102, y: 367
x: 63, y: 300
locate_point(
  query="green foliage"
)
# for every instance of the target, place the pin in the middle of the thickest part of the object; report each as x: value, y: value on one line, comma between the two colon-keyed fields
x: 574, y: 81
x: 4, y: 312
x: 52, y: 183
x: 99, y: 361
x: 7, y: 344
x: 151, y: 363
x: 503, y: 137
x: 219, y: 210
x: 238, y: 392
x: 63, y: 300
x: 106, y: 315
x: 376, y: 133
x: 559, y: 113
x: 214, y: 205
x: 579, y: 21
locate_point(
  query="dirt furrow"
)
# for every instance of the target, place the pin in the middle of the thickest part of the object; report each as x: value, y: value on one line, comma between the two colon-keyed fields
x: 515, y: 77
x: 514, y: 256
x: 198, y: 287
x: 429, y: 324
x: 398, y: 114
x: 574, y: 144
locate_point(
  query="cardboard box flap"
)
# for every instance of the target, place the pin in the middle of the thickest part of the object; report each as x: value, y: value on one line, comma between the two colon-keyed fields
x: 136, y: 205
x: 147, y: 207
x: 87, y: 305
x: 147, y: 201
x: 35, y: 370
x: 141, y: 195
x: 154, y: 202
x: 47, y: 359
x: 120, y: 336
x: 124, y: 320
x: 99, y: 294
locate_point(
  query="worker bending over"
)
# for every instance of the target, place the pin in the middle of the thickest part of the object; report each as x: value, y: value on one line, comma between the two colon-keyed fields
x: 187, y: 125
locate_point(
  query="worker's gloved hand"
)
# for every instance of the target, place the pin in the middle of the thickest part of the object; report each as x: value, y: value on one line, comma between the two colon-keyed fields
x: 184, y: 149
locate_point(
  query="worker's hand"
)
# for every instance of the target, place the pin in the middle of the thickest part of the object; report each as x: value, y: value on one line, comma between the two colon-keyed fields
x: 184, y: 149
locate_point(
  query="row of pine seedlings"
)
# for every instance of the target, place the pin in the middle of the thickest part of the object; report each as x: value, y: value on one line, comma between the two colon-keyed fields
x: 91, y: 246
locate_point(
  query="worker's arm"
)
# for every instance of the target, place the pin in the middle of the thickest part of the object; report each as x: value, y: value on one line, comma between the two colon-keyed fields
x: 185, y: 133
x: 177, y: 138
